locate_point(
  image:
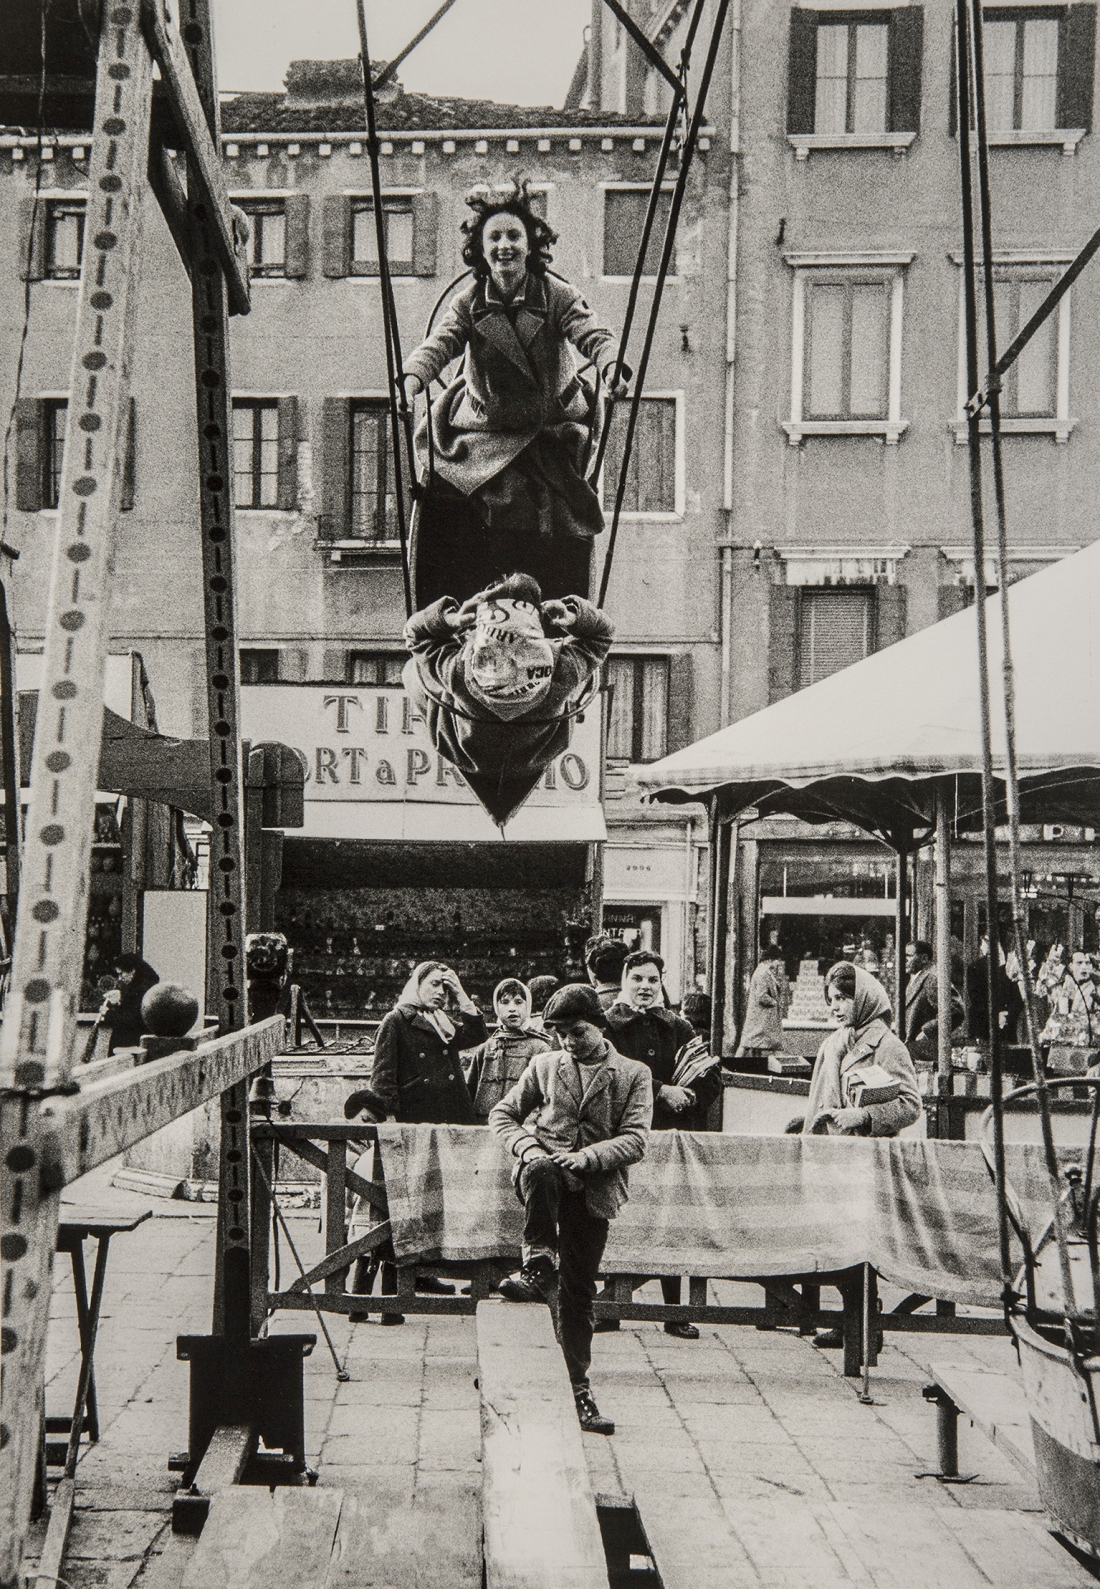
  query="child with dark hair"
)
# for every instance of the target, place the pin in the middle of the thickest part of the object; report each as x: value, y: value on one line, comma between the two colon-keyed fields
x: 499, y: 680
x: 494, y: 1067
x: 513, y: 435
x: 540, y: 989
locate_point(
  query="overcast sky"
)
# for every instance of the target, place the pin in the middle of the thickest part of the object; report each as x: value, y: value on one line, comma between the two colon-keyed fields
x: 522, y: 52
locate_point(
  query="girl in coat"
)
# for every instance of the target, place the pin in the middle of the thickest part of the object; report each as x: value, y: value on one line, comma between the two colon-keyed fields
x: 510, y: 439
x: 121, y: 1009
x: 494, y: 1067
x: 417, y: 1070
x: 862, y: 1007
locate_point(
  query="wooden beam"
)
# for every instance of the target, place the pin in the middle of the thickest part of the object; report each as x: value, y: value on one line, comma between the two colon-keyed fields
x: 36, y: 1042
x: 203, y: 160
x: 537, y: 1506
x: 223, y: 1463
x: 108, y: 1116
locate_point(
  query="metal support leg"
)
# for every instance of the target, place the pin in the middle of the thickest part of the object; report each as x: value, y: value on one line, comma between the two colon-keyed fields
x: 851, y: 1291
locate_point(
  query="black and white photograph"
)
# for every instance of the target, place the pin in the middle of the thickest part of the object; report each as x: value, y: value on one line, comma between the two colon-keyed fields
x: 549, y: 794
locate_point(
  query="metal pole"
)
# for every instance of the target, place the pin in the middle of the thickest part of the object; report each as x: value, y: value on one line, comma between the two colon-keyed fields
x: 901, y: 938
x: 943, y: 943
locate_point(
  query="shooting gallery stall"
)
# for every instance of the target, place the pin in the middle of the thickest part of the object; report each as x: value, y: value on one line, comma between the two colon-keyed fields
x: 397, y: 862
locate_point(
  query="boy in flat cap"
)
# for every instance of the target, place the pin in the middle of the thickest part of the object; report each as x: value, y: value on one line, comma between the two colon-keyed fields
x: 574, y: 1121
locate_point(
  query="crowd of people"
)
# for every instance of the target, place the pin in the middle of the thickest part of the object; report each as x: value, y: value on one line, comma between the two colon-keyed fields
x: 573, y: 1079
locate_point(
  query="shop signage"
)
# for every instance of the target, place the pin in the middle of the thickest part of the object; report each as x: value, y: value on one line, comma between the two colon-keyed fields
x: 369, y: 743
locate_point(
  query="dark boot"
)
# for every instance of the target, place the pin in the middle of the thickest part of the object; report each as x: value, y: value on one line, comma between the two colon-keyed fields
x: 533, y: 1283
x: 589, y: 1416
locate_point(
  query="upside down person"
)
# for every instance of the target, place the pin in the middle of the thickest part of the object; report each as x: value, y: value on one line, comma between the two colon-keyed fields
x: 499, y: 692
x: 507, y: 448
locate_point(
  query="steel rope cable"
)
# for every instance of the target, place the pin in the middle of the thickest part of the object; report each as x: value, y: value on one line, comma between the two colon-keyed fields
x: 400, y: 421
x: 658, y: 291
x: 1011, y: 780
x: 963, y: 56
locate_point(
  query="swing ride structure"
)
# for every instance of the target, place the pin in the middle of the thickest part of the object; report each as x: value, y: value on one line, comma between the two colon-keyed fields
x: 54, y: 1126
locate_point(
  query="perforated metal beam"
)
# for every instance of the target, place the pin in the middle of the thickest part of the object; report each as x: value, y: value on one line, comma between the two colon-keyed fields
x: 40, y: 1019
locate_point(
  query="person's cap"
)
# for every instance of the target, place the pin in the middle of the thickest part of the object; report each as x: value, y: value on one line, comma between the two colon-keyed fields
x: 575, y: 1002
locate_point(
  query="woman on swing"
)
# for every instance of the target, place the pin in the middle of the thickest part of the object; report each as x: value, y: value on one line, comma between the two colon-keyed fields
x: 513, y: 435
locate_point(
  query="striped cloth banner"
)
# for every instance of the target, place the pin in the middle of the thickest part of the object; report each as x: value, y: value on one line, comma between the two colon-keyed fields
x: 703, y: 1203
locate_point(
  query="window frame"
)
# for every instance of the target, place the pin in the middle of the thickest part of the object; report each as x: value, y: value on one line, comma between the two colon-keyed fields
x: 1061, y: 425
x: 358, y: 402
x: 381, y: 657
x: 76, y: 203
x: 852, y: 22
x: 259, y: 651
x: 661, y: 516
x: 615, y: 186
x: 243, y: 401
x: 638, y: 659
x: 252, y: 204
x: 1067, y: 138
x: 52, y: 464
x: 362, y: 202
x: 856, y: 267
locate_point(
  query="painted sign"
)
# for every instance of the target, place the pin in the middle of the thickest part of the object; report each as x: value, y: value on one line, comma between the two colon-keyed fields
x: 367, y: 743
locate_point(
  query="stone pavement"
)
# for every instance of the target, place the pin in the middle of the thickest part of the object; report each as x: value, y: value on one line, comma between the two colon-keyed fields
x: 730, y: 1422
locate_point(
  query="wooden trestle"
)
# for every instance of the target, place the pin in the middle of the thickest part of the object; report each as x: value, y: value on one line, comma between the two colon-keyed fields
x: 52, y: 1130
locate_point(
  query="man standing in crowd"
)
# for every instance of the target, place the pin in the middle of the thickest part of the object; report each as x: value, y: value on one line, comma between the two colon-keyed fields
x: 573, y: 1122
x: 762, y: 1032
x: 642, y: 1028
x: 604, y: 957
x: 922, y: 998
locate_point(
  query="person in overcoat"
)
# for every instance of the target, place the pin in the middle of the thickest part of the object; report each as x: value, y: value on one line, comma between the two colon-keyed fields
x: 762, y: 1032
x: 121, y: 1009
x: 417, y: 1069
x: 507, y: 448
x: 494, y: 1067
x: 642, y: 1028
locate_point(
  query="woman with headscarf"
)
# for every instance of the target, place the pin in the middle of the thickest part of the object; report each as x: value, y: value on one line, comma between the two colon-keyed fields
x: 863, y: 1059
x: 494, y: 1067
x: 121, y: 1009
x: 417, y: 1071
x: 843, y: 1072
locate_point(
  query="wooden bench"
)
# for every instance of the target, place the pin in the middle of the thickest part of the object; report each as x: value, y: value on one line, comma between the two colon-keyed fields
x: 995, y: 1405
x: 538, y: 1509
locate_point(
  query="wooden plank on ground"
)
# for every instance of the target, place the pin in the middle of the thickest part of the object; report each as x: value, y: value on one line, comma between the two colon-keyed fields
x: 397, y: 1536
x: 538, y: 1510
x: 996, y: 1406
x: 261, y: 1539
x: 1014, y: 1548
x: 57, y: 1534
x: 690, y: 1537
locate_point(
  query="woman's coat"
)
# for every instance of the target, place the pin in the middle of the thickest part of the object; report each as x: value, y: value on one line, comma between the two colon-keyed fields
x: 867, y: 1040
x: 417, y: 1073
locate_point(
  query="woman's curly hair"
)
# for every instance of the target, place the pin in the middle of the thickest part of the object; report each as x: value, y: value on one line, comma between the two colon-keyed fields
x: 485, y: 204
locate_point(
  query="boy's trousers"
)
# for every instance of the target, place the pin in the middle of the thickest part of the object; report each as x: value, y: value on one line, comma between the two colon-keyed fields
x: 558, y: 1221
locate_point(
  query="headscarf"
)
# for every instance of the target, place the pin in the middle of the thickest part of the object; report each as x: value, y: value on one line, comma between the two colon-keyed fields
x: 871, y: 1003
x: 510, y: 985
x: 509, y: 661
x: 410, y: 994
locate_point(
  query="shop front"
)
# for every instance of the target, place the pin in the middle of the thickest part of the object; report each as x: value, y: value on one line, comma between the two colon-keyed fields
x: 397, y: 862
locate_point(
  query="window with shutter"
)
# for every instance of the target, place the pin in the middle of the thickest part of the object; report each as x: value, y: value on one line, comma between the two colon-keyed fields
x: 399, y: 219
x: 54, y: 415
x: 638, y: 708
x: 854, y: 78
x: 267, y: 241
x: 624, y: 212
x: 255, y: 452
x: 652, y: 474
x: 28, y: 416
x: 1039, y: 65
x: 371, y: 496
x: 259, y: 667
x: 835, y: 629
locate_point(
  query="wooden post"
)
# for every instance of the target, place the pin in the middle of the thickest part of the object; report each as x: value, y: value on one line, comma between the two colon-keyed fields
x: 39, y: 1027
x: 210, y: 317
x: 901, y: 938
x: 9, y: 760
x: 943, y: 941
x: 719, y: 924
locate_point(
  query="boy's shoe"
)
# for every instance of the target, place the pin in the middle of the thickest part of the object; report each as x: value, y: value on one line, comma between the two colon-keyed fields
x: 605, y: 1326
x: 392, y: 1318
x: 432, y: 1286
x: 682, y: 1330
x: 831, y: 1340
x: 533, y: 1283
x: 591, y: 1419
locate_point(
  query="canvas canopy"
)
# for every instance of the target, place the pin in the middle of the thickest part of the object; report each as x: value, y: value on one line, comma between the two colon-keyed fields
x: 870, y: 744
